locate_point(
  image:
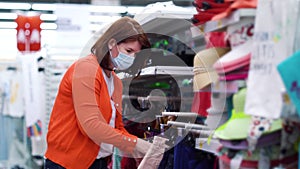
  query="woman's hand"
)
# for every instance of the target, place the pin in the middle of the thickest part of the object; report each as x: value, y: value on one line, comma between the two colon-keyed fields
x: 141, y: 148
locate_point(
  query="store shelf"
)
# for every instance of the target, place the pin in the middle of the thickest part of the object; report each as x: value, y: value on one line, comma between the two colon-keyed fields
x: 167, y: 70
x: 211, y: 146
x: 235, y: 17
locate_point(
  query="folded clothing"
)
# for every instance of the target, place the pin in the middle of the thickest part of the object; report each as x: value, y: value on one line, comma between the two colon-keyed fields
x: 231, y: 77
x: 235, y: 59
x: 207, y: 9
x: 237, y: 4
x: 263, y: 141
x: 238, y: 74
x: 225, y: 161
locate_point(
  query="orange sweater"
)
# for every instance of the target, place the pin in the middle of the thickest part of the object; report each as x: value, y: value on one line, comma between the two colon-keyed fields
x: 80, y: 117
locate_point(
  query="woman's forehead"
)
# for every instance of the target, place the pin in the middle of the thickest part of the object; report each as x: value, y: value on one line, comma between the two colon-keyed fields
x: 134, y: 45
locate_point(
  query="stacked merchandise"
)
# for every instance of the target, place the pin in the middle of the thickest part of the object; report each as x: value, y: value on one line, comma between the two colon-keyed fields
x: 218, y: 9
x: 209, y: 103
x: 207, y: 9
x: 235, y: 149
x: 204, y: 75
x: 235, y: 64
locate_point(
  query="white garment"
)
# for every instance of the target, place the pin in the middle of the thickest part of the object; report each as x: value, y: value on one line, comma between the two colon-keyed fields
x: 16, y: 95
x: 107, y: 149
x: 274, y: 32
x: 155, y: 154
x: 32, y: 99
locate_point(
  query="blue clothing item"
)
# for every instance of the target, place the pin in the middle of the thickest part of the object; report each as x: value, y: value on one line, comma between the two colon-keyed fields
x: 289, y: 71
x: 229, y: 105
x: 186, y: 156
x: 168, y: 160
x: 11, y: 128
x: 182, y: 154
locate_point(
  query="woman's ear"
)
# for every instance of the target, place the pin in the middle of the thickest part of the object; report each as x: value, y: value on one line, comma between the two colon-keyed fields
x: 111, y: 43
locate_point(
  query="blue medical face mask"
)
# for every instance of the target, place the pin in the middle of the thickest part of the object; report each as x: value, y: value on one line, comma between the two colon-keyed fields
x: 122, y: 61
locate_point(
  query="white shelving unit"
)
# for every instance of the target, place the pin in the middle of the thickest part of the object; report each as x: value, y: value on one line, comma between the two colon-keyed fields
x: 167, y: 70
x: 208, y: 146
x: 235, y: 17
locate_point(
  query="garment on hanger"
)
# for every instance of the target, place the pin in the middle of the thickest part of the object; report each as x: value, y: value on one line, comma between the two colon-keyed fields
x: 155, y: 154
x: 274, y: 31
x: 289, y: 72
x: 168, y: 160
x: 196, y: 159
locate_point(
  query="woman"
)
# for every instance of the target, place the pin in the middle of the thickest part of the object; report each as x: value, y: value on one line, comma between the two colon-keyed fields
x: 86, y: 120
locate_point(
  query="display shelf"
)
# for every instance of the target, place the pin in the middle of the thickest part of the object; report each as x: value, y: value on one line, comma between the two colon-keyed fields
x: 181, y: 114
x: 167, y: 70
x: 235, y: 17
x: 165, y: 19
x: 208, y: 146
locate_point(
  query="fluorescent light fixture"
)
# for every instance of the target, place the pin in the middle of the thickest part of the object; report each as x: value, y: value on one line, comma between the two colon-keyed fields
x: 48, y: 17
x: 101, y: 19
x: 24, y: 6
x: 108, y: 9
x: 8, y: 32
x: 48, y: 32
x: 11, y: 16
x: 134, y: 9
x: 8, y: 25
x: 48, y: 26
x: 44, y: 7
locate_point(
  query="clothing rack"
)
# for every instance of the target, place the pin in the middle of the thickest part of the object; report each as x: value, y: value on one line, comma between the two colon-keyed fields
x: 200, y: 133
x: 187, y: 125
x: 180, y: 114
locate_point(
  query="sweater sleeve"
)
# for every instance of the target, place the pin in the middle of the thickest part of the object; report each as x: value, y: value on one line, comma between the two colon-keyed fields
x: 86, y: 98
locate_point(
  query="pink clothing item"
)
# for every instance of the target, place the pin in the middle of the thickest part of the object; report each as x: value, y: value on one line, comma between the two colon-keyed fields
x: 234, y: 59
x: 226, y: 67
x: 201, y: 102
x: 216, y: 39
x: 155, y: 154
x: 234, y: 77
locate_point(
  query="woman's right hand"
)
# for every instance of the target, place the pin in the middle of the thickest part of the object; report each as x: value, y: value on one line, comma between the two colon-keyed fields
x: 141, y: 148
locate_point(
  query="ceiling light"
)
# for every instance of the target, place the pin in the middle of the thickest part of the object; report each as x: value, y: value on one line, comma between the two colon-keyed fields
x: 48, y: 26
x: 44, y: 7
x: 24, y: 6
x: 8, y: 25
x: 135, y: 9
x: 11, y: 16
x: 48, y: 17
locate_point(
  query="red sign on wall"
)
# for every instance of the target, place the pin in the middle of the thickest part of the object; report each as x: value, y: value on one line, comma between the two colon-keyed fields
x: 28, y: 33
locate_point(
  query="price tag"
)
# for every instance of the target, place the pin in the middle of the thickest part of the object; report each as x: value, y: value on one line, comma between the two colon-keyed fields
x: 200, y: 144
